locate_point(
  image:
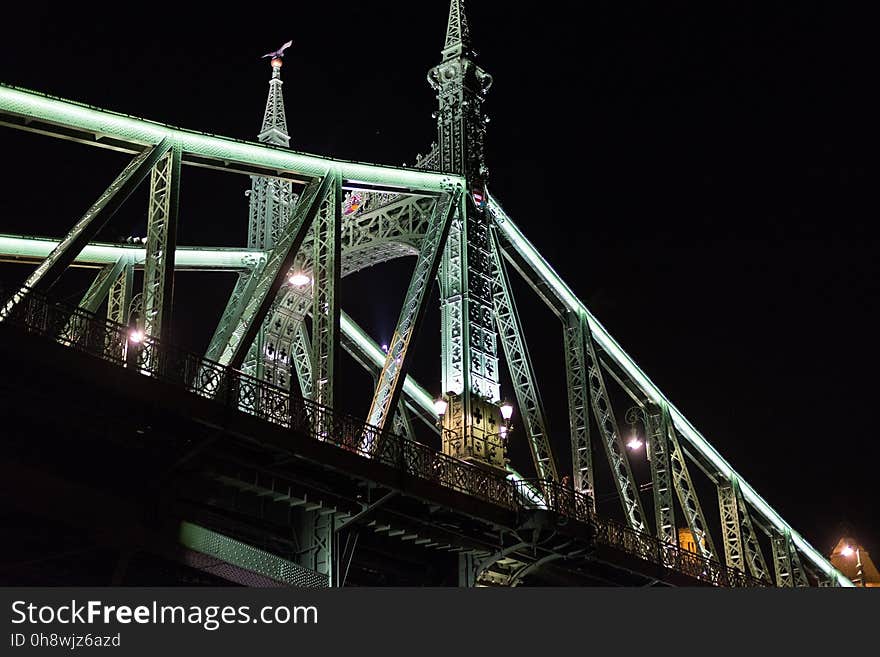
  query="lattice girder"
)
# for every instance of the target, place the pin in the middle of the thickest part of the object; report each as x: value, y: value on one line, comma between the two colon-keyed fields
x: 520, y: 366
x: 688, y: 498
x: 390, y: 381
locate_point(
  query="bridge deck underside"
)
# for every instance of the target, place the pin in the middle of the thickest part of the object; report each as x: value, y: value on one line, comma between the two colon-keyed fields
x: 127, y: 470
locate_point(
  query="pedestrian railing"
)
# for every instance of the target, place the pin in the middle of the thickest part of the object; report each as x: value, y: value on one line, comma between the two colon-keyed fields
x: 146, y: 355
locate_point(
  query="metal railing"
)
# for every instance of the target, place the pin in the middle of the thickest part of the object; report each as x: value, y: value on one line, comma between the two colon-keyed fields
x: 119, y: 344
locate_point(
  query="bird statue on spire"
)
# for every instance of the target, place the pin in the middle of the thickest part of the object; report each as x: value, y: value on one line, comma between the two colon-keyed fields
x: 278, y: 53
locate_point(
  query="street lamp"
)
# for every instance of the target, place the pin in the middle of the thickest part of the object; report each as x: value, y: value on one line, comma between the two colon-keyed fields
x: 633, y: 415
x: 848, y: 551
x: 300, y: 279
x: 507, y: 411
x: 440, y: 406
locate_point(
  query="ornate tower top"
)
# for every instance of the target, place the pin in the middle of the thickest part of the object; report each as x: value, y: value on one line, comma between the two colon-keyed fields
x: 461, y: 87
x: 274, y: 129
x: 458, y: 36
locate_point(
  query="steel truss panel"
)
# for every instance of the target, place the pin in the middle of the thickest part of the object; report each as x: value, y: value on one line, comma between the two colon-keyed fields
x: 28, y: 110
x: 607, y: 423
x: 301, y: 354
x: 782, y: 560
x: 326, y: 273
x: 658, y: 456
x: 100, y: 287
x: 243, y: 290
x: 687, y: 496
x: 50, y: 270
x: 578, y: 404
x: 520, y: 366
x: 387, y: 395
x: 561, y: 299
x: 270, y: 279
x: 730, y: 525
x: 797, y: 569
x: 161, y: 245
x: 120, y: 295
x: 366, y: 352
x: 754, y: 556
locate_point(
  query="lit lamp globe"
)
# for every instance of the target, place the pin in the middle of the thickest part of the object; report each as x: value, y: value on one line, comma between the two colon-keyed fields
x: 300, y: 280
x: 440, y: 406
x: 507, y: 411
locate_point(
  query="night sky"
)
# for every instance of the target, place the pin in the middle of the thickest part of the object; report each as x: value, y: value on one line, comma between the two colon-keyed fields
x: 699, y: 175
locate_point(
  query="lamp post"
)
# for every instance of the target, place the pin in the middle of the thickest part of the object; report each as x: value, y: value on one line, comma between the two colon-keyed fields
x: 848, y: 551
x: 634, y: 415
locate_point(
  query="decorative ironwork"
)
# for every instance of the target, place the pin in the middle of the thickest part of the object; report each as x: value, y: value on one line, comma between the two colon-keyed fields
x: 111, y: 342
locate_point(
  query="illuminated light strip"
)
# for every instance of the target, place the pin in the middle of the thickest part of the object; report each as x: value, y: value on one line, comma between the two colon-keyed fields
x: 610, y: 346
x: 30, y: 104
x: 410, y: 387
x: 107, y: 254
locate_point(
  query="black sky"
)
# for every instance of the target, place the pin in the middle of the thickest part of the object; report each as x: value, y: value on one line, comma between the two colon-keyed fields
x: 699, y: 173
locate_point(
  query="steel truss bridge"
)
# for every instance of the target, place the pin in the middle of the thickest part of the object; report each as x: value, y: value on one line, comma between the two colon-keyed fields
x: 241, y: 465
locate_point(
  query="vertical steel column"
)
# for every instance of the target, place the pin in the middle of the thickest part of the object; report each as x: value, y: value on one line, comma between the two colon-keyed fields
x: 687, y: 496
x: 614, y: 447
x: 250, y: 316
x: 315, y: 534
x: 95, y: 218
x: 754, y: 556
x: 730, y: 525
x: 781, y: 560
x: 120, y: 295
x: 658, y: 456
x: 520, y: 365
x: 326, y: 262
x: 453, y: 279
x: 302, y: 360
x: 797, y: 569
x: 387, y: 395
x: 578, y: 404
x: 161, y: 245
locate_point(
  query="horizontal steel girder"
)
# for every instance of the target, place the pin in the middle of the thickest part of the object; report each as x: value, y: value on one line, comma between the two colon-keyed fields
x: 96, y: 254
x: 29, y: 110
x: 560, y: 297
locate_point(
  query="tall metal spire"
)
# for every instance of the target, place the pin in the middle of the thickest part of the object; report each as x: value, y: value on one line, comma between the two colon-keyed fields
x: 470, y: 377
x: 458, y: 36
x: 274, y: 121
x: 271, y: 200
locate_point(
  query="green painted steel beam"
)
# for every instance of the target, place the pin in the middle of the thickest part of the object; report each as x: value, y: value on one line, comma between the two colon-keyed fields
x: 30, y: 110
x: 569, y: 300
x: 15, y: 247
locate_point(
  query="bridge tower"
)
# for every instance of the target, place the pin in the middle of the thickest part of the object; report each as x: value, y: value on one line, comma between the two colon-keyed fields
x: 469, y: 343
x: 271, y: 200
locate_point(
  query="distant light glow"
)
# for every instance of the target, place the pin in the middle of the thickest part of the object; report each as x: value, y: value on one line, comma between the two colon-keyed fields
x: 385, y: 347
x: 847, y: 551
x: 136, y: 336
x: 300, y: 280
